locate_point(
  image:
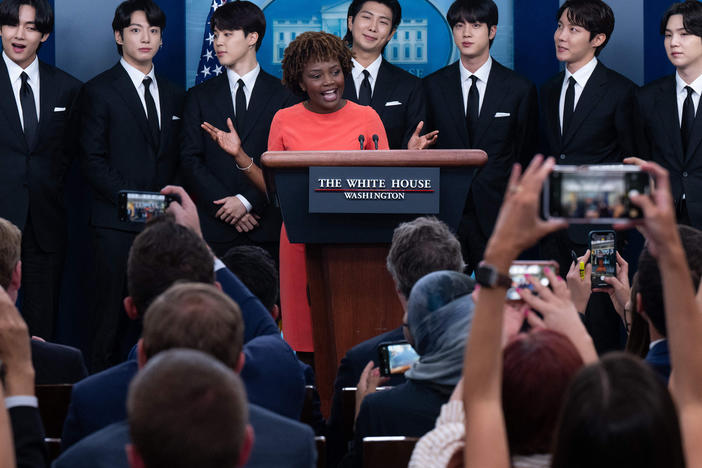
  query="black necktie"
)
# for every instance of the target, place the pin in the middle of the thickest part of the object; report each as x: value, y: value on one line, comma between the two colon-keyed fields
x: 151, y: 114
x: 688, y: 118
x: 29, y: 111
x: 364, y: 94
x: 472, y: 109
x: 568, y: 105
x: 240, y: 105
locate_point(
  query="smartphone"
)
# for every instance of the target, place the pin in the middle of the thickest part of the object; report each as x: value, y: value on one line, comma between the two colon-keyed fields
x: 603, y: 256
x: 594, y: 194
x: 396, y: 357
x: 139, y: 207
x: 535, y: 268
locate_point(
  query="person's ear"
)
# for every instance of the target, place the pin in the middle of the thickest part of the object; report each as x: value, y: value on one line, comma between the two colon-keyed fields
x: 133, y: 456
x: 118, y: 38
x: 598, y: 40
x: 130, y: 308
x: 247, y: 446
x: 349, y: 22
x: 275, y: 312
x: 141, y: 354
x: 639, y: 305
x: 44, y: 37
x: 16, y: 278
x: 252, y: 39
x: 240, y: 363
x: 218, y: 285
x: 493, y: 32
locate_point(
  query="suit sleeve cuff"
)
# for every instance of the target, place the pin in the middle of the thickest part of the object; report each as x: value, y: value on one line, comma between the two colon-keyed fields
x: 244, y: 202
x: 218, y: 264
x: 21, y: 400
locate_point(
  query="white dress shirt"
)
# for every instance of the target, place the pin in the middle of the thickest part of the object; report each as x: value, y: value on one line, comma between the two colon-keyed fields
x: 581, y: 76
x: 137, y: 78
x: 249, y: 80
x: 357, y: 73
x: 14, y: 71
x: 482, y: 73
x: 681, y: 93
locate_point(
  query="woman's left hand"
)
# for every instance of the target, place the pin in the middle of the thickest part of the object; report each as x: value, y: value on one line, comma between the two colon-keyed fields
x: 417, y: 142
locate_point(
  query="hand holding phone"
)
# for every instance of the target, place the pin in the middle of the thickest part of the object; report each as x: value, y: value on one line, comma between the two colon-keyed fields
x: 396, y: 357
x: 140, y: 207
x: 603, y: 257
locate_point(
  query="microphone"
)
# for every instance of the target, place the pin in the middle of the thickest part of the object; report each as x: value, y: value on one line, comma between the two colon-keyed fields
x: 361, y: 140
x: 375, y: 140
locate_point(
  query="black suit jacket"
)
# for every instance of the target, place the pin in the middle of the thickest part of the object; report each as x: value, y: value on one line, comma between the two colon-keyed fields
x: 28, y: 434
x: 394, y: 85
x: 32, y: 179
x: 505, y: 130
x: 658, y: 135
x: 602, y: 127
x: 209, y: 172
x: 118, y: 153
x: 57, y: 364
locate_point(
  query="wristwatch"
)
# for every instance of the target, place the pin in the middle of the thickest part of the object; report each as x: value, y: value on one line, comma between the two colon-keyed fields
x: 488, y: 276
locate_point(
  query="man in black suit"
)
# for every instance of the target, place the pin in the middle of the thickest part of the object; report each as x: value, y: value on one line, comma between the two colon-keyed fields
x: 53, y: 363
x: 131, y: 126
x: 586, y: 110
x: 37, y: 104
x: 395, y: 94
x: 668, y: 129
x: 478, y: 103
x: 232, y: 211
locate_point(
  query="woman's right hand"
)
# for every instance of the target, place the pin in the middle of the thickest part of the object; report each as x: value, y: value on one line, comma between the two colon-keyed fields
x: 228, y: 141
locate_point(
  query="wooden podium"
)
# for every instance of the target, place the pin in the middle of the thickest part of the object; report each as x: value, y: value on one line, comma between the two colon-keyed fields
x: 352, y: 295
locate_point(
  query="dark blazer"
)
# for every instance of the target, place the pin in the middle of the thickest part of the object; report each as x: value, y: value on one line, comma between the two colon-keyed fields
x: 658, y: 358
x: 209, y: 172
x: 506, y: 140
x: 57, y: 364
x: 32, y: 179
x: 395, y: 85
x: 278, y: 441
x: 602, y: 129
x: 28, y: 435
x: 348, y: 374
x: 658, y: 135
x: 118, y: 153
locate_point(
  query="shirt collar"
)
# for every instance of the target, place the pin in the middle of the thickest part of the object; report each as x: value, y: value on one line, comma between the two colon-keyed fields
x: 655, y: 342
x: 249, y: 78
x: 482, y: 73
x: 372, y: 68
x: 583, y: 74
x: 135, y: 75
x: 14, y: 71
x: 695, y: 85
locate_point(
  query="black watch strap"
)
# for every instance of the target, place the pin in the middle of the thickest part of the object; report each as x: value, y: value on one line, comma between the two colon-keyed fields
x: 488, y: 276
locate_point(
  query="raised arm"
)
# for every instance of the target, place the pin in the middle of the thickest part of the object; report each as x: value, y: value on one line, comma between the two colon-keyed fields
x: 518, y: 227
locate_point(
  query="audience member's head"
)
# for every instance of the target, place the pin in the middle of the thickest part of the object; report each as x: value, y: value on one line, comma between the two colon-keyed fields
x: 420, y: 247
x: 186, y: 409
x: 538, y: 367
x: 436, y: 324
x: 650, y: 299
x: 618, y: 412
x: 10, y: 264
x: 194, y: 316
x: 240, y: 15
x: 255, y: 268
x: 163, y: 253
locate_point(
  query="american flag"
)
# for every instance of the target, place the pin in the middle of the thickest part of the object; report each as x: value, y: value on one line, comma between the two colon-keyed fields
x: 209, y: 65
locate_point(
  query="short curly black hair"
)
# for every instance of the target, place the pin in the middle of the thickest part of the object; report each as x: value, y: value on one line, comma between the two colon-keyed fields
x: 313, y: 46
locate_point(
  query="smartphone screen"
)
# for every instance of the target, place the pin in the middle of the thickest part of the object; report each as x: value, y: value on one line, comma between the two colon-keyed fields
x: 396, y: 358
x: 518, y: 272
x: 595, y: 194
x: 603, y: 257
x: 139, y: 207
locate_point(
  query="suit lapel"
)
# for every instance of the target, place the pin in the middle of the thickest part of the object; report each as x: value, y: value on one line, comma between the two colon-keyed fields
x: 383, y: 84
x: 8, y: 104
x: 453, y: 96
x: 495, y: 92
x: 128, y: 93
x: 553, y: 123
x: 260, y: 96
x: 695, y: 138
x: 165, y: 101
x: 47, y: 97
x: 667, y: 107
x: 350, y: 88
x: 589, y: 99
x: 222, y: 97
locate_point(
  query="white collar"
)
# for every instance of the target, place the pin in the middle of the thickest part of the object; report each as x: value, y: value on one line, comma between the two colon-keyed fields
x: 695, y: 85
x: 583, y: 74
x: 14, y: 71
x: 137, y: 76
x: 655, y: 342
x: 249, y: 78
x: 482, y: 73
x: 372, y: 68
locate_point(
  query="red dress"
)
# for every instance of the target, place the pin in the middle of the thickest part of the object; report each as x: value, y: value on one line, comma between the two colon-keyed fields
x: 298, y: 129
